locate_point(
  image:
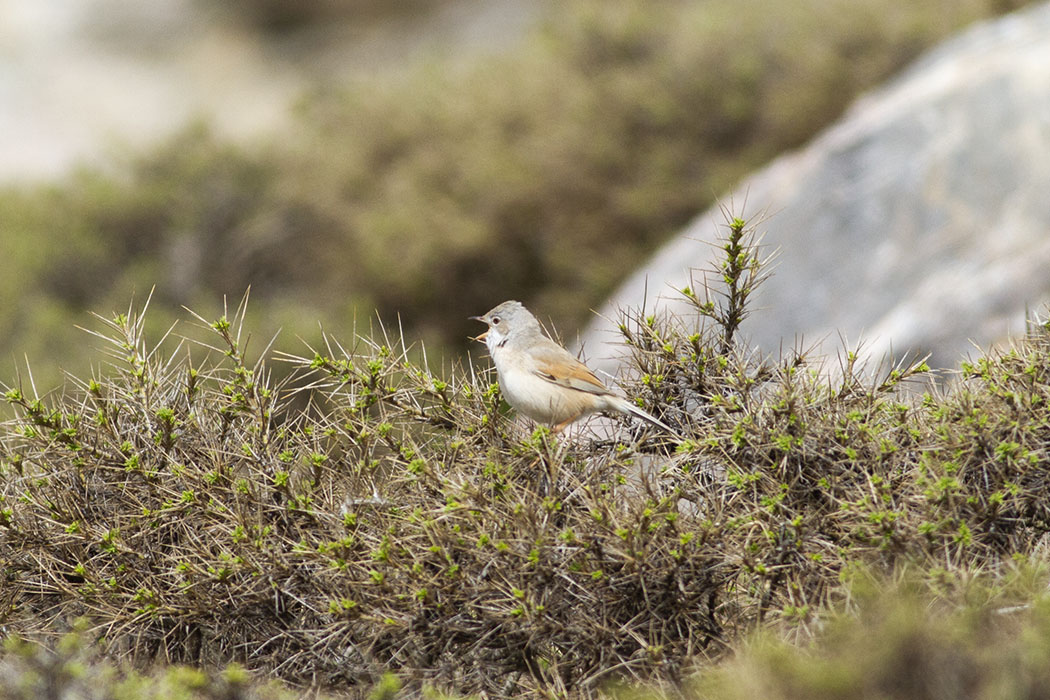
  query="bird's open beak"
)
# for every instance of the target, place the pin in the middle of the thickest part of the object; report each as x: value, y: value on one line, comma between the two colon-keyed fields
x: 479, y: 338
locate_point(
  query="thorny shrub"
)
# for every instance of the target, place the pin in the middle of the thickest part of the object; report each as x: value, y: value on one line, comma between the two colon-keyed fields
x: 367, y: 513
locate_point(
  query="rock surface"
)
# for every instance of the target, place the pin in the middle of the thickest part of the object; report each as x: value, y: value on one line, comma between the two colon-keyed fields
x: 920, y: 222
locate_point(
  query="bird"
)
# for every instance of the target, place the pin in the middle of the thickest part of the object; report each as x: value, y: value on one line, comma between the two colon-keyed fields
x: 541, y: 379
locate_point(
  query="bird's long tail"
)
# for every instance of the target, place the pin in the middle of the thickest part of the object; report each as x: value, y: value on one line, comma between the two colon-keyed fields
x: 626, y: 406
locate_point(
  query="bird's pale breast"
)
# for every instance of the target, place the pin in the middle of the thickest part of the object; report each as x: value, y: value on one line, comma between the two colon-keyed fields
x: 534, y: 396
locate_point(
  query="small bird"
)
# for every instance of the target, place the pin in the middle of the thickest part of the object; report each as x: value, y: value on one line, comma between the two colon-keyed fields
x: 539, y: 378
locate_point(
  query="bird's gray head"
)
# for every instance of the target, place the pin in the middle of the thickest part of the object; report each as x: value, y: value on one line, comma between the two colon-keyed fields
x: 507, y: 321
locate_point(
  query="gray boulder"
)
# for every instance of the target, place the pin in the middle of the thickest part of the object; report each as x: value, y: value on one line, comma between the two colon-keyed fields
x: 919, y: 223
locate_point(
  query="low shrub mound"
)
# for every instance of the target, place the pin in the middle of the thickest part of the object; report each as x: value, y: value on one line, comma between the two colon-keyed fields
x: 396, y: 521
x: 367, y: 513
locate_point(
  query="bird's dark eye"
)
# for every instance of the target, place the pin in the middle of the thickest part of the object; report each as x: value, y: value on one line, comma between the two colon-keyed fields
x: 495, y: 320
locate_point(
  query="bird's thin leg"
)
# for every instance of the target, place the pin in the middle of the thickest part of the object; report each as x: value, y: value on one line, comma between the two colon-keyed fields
x: 565, y: 424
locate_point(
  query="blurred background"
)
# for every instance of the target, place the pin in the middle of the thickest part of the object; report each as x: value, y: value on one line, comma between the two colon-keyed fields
x: 422, y: 160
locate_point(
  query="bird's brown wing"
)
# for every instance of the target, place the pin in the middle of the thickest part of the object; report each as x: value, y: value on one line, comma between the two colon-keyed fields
x: 557, y: 366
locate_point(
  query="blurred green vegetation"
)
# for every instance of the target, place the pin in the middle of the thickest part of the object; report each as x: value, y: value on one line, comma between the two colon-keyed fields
x: 924, y: 637
x: 544, y: 173
x: 72, y: 668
